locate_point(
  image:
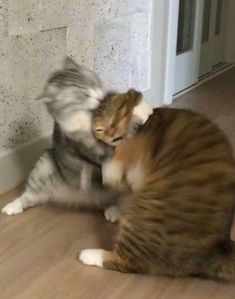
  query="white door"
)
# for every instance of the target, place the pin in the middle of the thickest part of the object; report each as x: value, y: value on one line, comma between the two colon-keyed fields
x: 188, y: 44
x: 213, y: 35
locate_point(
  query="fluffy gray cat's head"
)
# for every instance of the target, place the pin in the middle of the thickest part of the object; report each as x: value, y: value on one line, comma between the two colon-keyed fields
x: 70, y: 94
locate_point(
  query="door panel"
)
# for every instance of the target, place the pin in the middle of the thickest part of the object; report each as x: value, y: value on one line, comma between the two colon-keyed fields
x: 205, y: 58
x: 188, y: 44
x: 212, y: 48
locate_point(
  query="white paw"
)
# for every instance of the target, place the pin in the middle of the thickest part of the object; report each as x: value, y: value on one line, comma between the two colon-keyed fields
x: 112, y: 214
x: 112, y: 173
x: 13, y: 208
x: 92, y: 257
x: 143, y: 110
x: 135, y: 177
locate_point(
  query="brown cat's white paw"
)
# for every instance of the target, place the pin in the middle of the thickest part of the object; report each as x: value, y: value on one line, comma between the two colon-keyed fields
x: 112, y: 173
x: 92, y: 257
x: 112, y: 214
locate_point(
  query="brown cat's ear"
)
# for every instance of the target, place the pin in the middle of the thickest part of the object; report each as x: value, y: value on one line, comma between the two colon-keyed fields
x: 134, y: 96
x: 142, y: 110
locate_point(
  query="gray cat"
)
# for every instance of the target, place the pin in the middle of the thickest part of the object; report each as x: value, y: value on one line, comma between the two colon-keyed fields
x: 70, y: 172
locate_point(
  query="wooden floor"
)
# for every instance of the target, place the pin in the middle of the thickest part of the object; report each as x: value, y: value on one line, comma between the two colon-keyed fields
x: 38, y: 248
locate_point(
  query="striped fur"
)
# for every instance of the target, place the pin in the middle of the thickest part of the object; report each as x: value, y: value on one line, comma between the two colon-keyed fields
x: 177, y: 220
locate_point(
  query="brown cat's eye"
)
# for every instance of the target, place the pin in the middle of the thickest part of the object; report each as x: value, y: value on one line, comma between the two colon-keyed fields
x: 117, y: 139
x: 99, y: 130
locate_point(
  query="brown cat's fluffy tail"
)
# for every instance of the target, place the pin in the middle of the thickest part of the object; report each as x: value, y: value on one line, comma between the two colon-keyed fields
x: 222, y: 265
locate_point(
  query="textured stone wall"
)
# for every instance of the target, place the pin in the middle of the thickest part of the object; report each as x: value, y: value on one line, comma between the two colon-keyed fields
x: 110, y: 36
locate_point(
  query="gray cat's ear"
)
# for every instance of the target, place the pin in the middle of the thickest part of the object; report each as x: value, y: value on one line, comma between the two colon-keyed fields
x: 69, y: 64
x: 47, y: 94
x: 41, y: 97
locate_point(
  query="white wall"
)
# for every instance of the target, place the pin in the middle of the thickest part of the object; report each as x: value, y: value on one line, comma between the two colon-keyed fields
x: 110, y: 36
x: 230, y: 33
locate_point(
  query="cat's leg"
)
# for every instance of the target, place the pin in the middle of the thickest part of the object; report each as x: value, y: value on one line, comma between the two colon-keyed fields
x: 37, y: 187
x: 114, y: 210
x: 113, y: 173
x: 26, y: 200
x: 118, y: 259
x: 221, y: 265
x: 112, y: 213
x: 105, y: 259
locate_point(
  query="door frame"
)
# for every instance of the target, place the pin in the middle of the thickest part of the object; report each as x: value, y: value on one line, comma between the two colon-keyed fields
x: 164, y: 23
x: 169, y: 46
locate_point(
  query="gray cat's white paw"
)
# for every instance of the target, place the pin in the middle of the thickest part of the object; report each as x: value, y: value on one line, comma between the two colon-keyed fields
x: 112, y: 214
x: 143, y: 110
x: 112, y: 173
x: 13, y: 208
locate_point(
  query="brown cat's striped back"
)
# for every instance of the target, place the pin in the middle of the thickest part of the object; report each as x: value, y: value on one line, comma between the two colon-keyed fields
x: 177, y: 221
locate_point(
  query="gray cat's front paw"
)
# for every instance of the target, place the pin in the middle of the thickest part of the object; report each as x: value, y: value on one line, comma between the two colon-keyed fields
x: 112, y: 173
x: 112, y: 214
x: 13, y: 208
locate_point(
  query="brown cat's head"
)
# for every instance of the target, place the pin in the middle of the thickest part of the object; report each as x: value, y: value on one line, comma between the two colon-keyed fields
x: 117, y: 114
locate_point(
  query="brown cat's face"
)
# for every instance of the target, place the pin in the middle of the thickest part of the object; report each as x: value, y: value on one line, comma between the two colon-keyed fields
x: 113, y: 116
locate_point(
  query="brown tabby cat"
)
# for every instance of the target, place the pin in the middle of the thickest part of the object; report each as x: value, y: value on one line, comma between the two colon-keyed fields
x: 181, y: 170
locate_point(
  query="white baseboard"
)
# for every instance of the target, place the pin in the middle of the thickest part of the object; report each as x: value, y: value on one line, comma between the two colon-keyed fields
x: 16, y: 164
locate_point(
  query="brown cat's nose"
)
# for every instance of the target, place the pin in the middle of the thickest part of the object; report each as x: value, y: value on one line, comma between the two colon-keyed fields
x: 110, y: 132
